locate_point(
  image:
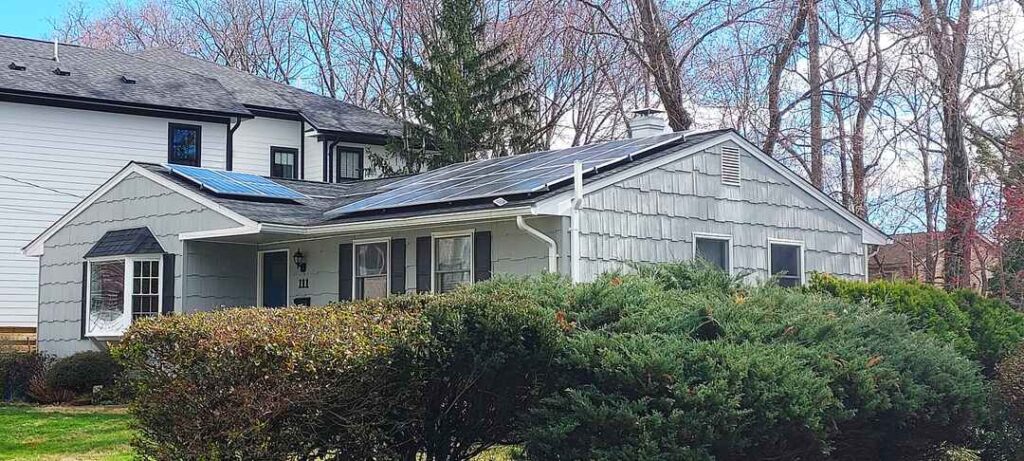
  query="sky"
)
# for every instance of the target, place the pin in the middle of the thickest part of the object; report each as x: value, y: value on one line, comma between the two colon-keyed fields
x: 30, y: 18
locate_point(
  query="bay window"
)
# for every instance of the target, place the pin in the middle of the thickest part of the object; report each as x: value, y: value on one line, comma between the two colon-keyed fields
x: 121, y: 289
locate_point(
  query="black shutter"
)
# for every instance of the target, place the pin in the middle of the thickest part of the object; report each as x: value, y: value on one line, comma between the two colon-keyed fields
x: 481, y: 256
x: 85, y: 292
x: 345, y: 272
x: 423, y: 252
x: 398, y: 266
x: 167, y: 291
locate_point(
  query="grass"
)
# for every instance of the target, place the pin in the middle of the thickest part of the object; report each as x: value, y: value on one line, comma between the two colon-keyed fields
x: 64, y: 433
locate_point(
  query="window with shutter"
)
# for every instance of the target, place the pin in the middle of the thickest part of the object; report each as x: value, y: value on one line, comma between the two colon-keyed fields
x: 730, y: 165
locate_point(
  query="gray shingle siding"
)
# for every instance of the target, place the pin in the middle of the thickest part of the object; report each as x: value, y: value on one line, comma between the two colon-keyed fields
x: 652, y: 217
x: 135, y: 202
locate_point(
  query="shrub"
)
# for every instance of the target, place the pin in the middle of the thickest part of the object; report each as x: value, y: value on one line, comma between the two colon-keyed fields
x: 443, y: 375
x: 983, y: 329
x: 80, y: 372
x: 268, y: 383
x: 17, y: 368
x: 764, y: 373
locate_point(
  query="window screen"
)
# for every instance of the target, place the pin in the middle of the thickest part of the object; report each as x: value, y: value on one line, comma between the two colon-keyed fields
x: 348, y: 163
x: 284, y: 163
x: 453, y: 262
x: 371, y: 270
x: 714, y: 251
x: 184, y: 144
x: 787, y: 264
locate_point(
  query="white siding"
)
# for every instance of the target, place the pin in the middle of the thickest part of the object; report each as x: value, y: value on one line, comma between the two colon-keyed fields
x: 52, y: 158
x: 252, y: 141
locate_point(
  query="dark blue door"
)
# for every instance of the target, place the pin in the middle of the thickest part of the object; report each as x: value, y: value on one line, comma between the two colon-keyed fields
x: 275, y: 279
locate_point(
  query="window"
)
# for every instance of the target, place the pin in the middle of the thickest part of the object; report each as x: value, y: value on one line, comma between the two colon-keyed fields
x: 184, y: 144
x: 119, y: 291
x: 715, y: 249
x: 284, y: 162
x: 786, y: 260
x: 348, y: 163
x: 371, y: 269
x: 453, y: 261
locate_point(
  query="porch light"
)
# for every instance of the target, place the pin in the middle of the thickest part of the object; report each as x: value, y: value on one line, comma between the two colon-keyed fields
x: 300, y: 260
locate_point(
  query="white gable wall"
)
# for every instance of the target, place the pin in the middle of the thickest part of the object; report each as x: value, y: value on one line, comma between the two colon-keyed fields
x: 652, y: 218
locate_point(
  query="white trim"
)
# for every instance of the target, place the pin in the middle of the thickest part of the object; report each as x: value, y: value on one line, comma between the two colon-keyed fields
x: 387, y: 263
x: 391, y: 224
x: 433, y: 253
x: 37, y: 245
x: 215, y: 233
x: 127, y: 287
x: 869, y: 234
x: 803, y: 258
x: 287, y: 277
x: 710, y: 236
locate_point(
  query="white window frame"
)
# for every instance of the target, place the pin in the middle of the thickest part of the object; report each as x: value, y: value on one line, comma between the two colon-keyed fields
x: 288, y: 276
x: 433, y: 254
x: 127, y: 286
x: 710, y: 236
x: 387, y: 263
x: 803, y: 259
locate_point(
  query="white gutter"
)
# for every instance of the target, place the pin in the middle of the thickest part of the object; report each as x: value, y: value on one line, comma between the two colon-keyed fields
x: 574, y: 220
x: 552, y: 246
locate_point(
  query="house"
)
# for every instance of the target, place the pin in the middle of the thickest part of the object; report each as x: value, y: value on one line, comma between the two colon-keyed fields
x: 71, y: 117
x: 157, y: 239
x: 920, y: 256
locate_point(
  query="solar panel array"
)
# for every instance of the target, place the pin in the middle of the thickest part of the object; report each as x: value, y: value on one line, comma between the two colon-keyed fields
x: 519, y: 174
x: 233, y: 183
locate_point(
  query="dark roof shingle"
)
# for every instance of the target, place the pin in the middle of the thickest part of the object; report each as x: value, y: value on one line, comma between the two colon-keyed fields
x: 120, y: 242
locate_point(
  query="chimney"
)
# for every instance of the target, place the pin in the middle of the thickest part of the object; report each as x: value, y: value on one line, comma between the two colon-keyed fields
x: 647, y: 122
x: 56, y: 54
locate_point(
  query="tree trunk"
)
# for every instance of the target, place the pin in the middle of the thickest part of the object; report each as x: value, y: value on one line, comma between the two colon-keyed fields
x: 814, y: 80
x: 785, y: 51
x: 662, y: 61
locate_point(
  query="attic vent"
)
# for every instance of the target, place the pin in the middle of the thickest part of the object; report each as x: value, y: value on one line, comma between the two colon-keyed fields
x: 128, y: 80
x: 14, y: 65
x: 61, y: 72
x: 730, y: 166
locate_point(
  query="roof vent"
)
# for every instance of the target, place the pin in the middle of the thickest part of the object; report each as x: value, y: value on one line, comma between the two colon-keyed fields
x: 61, y: 72
x: 127, y: 80
x: 647, y: 122
x: 500, y: 201
x: 15, y: 65
x: 730, y: 166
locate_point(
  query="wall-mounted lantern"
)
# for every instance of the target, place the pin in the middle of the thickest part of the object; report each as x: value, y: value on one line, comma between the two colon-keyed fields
x: 300, y: 260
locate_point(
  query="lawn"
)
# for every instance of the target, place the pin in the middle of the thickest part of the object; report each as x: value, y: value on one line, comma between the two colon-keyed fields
x: 64, y: 433
x: 87, y: 434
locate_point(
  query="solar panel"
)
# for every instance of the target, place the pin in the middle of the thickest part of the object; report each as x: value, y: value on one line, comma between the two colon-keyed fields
x: 234, y: 183
x: 519, y: 174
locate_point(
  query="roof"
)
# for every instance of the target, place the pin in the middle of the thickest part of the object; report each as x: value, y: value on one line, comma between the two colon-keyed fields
x: 913, y: 247
x: 97, y: 75
x: 324, y: 113
x: 165, y: 78
x: 134, y: 241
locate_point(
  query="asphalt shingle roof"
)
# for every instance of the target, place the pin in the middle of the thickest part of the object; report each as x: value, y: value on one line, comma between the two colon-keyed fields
x: 134, y: 241
x: 97, y: 75
x: 324, y: 196
x: 165, y: 78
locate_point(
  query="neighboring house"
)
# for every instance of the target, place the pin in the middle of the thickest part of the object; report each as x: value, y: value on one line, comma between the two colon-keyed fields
x: 70, y: 117
x: 920, y: 256
x: 151, y: 240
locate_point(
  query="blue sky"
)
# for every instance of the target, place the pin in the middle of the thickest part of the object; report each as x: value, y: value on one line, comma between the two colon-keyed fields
x: 30, y: 18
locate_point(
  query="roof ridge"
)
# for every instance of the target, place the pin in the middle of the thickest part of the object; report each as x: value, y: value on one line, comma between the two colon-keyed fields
x: 39, y: 40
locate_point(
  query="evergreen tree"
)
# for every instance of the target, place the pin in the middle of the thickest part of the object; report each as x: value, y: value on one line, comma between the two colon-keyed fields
x: 469, y: 96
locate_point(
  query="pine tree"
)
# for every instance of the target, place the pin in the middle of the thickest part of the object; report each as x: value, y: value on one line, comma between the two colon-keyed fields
x: 469, y: 96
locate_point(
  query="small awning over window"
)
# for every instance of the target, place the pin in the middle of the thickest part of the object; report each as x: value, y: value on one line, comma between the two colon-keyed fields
x: 126, y: 242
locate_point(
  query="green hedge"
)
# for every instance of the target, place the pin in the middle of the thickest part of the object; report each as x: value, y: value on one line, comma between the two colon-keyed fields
x: 981, y: 328
x: 654, y: 372
x: 445, y: 375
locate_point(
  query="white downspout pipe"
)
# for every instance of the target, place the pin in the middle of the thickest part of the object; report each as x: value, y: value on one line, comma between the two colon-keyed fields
x: 552, y: 246
x: 574, y: 220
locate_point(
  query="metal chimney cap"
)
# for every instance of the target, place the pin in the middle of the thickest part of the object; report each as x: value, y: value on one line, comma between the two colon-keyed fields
x: 647, y: 111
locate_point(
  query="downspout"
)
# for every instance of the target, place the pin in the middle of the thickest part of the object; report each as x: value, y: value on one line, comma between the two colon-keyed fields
x: 574, y: 220
x: 230, y: 157
x: 302, y: 149
x: 552, y: 246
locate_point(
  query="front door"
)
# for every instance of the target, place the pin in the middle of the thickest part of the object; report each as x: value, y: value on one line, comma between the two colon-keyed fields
x: 275, y: 278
